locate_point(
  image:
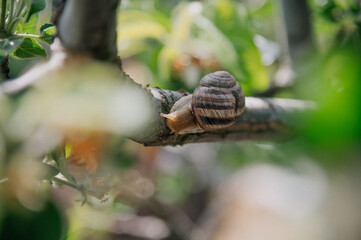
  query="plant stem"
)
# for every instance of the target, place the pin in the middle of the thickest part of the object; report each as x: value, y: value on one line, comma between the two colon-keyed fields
x: 26, y: 35
x: 2, y: 15
x: 55, y: 179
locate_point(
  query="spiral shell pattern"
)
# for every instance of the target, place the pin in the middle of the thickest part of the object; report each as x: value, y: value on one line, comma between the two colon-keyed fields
x: 217, y: 101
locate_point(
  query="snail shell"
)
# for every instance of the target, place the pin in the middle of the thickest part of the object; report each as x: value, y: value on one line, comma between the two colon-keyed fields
x: 217, y: 101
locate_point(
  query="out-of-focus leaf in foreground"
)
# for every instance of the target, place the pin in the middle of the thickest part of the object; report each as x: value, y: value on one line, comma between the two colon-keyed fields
x: 7, y: 45
x: 87, y: 98
x: 336, y: 126
x: 134, y: 28
x: 47, y: 33
x: 22, y: 223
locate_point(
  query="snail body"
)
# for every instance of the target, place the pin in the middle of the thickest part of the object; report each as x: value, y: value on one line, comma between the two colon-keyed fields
x: 180, y: 118
x: 215, y: 104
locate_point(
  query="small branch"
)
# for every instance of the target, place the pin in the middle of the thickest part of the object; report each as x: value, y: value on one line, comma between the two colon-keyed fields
x: 26, y: 35
x: 264, y: 119
x: 61, y: 181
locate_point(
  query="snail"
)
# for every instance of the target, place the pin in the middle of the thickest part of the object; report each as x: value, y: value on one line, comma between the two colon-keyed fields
x: 215, y: 104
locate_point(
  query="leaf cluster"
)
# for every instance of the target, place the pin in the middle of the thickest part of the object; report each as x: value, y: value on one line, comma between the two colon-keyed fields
x: 19, y: 32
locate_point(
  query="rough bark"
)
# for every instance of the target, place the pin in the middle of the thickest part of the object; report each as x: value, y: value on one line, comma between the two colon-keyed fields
x: 264, y: 119
x: 89, y: 27
x: 296, y: 16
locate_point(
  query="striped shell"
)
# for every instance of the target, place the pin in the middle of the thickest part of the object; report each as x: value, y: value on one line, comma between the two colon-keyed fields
x: 217, y: 101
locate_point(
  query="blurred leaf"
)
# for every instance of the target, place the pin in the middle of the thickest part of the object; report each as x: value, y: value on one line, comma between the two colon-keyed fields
x: 19, y: 65
x: 183, y: 18
x: 220, y: 45
x: 258, y: 75
x: 48, y: 172
x: 107, y: 106
x: 29, y: 49
x: 336, y: 125
x: 132, y: 36
x: 235, y: 48
x: 225, y: 9
x: 46, y: 26
x: 29, y: 26
x: 7, y: 45
x: 165, y: 58
x: 261, y: 19
x: 135, y: 27
x: 5, y: 107
x: 22, y: 223
x: 67, y: 149
x: 37, y: 6
x: 60, y: 160
x: 47, y: 34
x: 174, y: 188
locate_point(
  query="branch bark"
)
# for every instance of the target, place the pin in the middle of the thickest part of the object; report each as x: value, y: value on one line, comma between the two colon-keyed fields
x: 264, y: 119
x: 296, y: 16
x: 89, y: 27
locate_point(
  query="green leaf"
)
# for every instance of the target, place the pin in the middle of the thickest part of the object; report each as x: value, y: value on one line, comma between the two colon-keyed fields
x: 257, y: 72
x: 48, y: 172
x: 37, y: 6
x: 29, y: 48
x: 47, y: 34
x: 60, y: 160
x: 7, y: 45
x: 29, y: 26
x: 46, y: 26
x: 19, y: 222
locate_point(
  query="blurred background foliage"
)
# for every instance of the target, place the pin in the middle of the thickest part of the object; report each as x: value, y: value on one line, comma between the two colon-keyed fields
x: 100, y: 186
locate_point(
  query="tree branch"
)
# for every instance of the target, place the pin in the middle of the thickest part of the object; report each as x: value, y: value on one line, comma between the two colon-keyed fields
x: 89, y: 27
x: 264, y: 119
x: 297, y: 22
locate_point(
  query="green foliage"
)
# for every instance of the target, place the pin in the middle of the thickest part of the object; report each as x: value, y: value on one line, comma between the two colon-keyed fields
x: 29, y: 48
x: 37, y: 6
x: 29, y: 26
x: 193, y: 39
x: 18, y: 28
x: 47, y: 33
x: 21, y: 223
x: 335, y: 126
x: 8, y: 45
x: 172, y: 43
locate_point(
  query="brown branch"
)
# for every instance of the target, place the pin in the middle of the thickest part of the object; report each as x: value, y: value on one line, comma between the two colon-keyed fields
x: 296, y: 18
x: 264, y: 119
x: 89, y: 27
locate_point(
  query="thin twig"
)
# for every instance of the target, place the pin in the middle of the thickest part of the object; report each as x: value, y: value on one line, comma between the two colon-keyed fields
x: 69, y: 184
